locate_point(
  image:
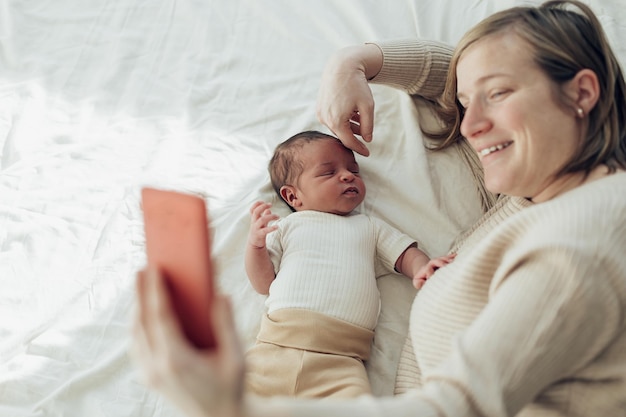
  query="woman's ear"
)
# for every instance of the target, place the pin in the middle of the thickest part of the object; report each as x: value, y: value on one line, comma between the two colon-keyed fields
x: 289, y: 193
x: 584, y: 89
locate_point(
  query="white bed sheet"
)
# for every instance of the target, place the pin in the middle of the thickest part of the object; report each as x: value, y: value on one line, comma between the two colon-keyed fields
x: 99, y: 98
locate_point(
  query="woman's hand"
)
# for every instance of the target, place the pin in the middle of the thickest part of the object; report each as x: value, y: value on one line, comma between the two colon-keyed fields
x: 345, y: 103
x: 201, y: 383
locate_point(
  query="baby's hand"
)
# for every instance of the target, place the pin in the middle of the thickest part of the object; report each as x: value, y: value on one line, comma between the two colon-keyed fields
x: 259, y: 225
x: 429, y: 269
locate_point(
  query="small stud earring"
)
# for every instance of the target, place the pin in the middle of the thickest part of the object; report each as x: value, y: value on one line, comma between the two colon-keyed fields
x: 580, y: 112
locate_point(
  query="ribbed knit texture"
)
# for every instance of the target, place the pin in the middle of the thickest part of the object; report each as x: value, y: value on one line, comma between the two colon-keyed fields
x: 328, y: 264
x: 534, y: 299
x: 409, y: 375
x: 419, y: 68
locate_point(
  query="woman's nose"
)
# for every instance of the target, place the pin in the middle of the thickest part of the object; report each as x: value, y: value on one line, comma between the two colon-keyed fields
x: 475, y: 122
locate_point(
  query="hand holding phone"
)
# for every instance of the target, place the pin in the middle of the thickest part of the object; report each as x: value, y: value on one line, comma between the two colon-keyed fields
x: 177, y: 243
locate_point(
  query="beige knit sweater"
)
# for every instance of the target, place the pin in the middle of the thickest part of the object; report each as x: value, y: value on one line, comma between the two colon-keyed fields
x: 529, y: 319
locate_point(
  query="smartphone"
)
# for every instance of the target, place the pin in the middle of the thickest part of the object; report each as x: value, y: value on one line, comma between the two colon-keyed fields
x: 178, y: 244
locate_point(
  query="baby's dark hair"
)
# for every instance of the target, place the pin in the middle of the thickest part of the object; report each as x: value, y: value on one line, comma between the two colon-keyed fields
x: 285, y: 167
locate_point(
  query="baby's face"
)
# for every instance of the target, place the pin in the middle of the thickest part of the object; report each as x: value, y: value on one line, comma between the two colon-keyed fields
x: 330, y: 181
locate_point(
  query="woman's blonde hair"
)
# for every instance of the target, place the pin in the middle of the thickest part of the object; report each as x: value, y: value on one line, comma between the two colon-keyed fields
x: 565, y: 37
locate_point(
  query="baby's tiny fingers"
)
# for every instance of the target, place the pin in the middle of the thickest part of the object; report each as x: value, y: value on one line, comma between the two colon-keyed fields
x: 258, y: 209
x: 419, y: 283
x: 255, y: 206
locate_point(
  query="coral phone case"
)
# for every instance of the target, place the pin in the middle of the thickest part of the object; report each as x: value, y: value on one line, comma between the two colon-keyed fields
x: 177, y: 242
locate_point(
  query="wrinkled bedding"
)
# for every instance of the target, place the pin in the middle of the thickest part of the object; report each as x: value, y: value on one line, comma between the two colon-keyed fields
x: 99, y: 98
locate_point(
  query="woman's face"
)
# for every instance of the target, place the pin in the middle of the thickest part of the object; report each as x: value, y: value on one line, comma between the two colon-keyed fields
x: 523, y: 136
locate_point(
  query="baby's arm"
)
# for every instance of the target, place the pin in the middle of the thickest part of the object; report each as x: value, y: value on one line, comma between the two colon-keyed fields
x: 259, y: 266
x: 416, y: 265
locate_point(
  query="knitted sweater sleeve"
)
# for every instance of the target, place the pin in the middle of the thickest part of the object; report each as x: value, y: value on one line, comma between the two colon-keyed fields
x: 509, y: 356
x: 417, y: 66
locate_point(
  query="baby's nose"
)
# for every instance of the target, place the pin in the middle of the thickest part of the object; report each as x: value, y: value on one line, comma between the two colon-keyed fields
x: 347, y: 176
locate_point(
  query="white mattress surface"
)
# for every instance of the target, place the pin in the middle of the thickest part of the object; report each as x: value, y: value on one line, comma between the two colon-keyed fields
x: 99, y: 98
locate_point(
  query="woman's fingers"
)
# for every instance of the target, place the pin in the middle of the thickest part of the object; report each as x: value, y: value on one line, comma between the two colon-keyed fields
x: 159, y: 303
x: 345, y: 133
x: 363, y: 122
x: 141, y: 340
x: 359, y: 122
x: 153, y: 326
x: 225, y: 331
x: 345, y: 103
x: 164, y: 329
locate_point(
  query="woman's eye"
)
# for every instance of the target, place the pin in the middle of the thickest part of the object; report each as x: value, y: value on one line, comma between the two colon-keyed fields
x: 498, y: 94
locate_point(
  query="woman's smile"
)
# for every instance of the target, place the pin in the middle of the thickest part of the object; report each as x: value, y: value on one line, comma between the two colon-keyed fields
x: 493, y: 148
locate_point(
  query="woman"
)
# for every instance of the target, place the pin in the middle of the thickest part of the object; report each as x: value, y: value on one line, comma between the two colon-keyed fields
x: 529, y: 318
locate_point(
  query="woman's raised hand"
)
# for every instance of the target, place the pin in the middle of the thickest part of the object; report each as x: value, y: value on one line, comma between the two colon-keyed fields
x: 345, y: 103
x: 200, y: 382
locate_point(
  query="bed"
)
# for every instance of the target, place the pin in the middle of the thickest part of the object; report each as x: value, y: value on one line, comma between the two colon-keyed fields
x: 99, y: 98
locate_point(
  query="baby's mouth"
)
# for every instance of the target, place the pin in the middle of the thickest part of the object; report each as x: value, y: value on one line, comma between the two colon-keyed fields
x: 351, y: 190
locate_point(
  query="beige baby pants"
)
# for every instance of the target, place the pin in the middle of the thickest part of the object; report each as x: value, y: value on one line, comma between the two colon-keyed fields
x: 301, y: 353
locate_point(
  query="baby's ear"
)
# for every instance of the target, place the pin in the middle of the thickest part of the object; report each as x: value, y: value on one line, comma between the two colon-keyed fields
x: 289, y: 194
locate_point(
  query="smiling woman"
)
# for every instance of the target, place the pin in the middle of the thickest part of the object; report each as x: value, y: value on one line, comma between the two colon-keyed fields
x: 516, y: 83
x: 510, y: 110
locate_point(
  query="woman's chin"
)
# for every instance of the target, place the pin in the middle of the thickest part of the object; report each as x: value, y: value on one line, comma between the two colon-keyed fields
x: 497, y: 186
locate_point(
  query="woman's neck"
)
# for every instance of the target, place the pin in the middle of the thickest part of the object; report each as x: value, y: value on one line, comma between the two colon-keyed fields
x: 568, y: 182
